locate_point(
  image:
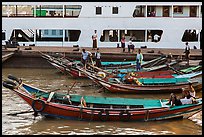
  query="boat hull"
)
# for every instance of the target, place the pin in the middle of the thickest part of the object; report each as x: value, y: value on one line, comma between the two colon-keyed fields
x: 79, y: 113
x: 98, y: 108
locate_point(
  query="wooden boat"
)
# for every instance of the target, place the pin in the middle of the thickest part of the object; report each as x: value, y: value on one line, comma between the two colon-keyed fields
x: 158, y: 74
x: 64, y: 65
x: 189, y: 75
x: 144, y: 69
x: 154, y: 62
x: 93, y: 108
x: 105, y: 64
x: 115, y: 85
x: 7, y: 56
x: 191, y: 69
x: 151, y: 74
x: 110, y: 66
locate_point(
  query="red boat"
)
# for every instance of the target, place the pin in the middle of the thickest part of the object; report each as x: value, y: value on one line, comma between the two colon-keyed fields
x: 115, y: 85
x: 92, y: 108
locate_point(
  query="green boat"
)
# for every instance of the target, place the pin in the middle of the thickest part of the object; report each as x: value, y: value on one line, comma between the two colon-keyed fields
x: 191, y: 69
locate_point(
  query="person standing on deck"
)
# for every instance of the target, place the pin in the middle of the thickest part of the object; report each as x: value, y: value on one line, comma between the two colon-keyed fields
x: 131, y: 46
x: 123, y: 43
x: 139, y: 59
x: 94, y: 38
x: 84, y: 57
x: 98, y: 58
x: 187, y: 53
x: 156, y: 38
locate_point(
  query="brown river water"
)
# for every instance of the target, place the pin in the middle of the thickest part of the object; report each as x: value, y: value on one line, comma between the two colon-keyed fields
x: 50, y: 79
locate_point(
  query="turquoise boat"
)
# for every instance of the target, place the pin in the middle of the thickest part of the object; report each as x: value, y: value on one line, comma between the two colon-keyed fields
x: 93, y: 108
x: 156, y: 81
x: 191, y: 69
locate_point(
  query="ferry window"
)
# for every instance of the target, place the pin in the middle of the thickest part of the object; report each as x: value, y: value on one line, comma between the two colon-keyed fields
x: 61, y: 32
x: 139, y: 11
x: 72, y: 35
x: 178, y: 9
x: 201, y: 39
x: 98, y: 10
x: 115, y: 10
x: 166, y: 11
x: 154, y: 35
x: 54, y: 32
x: 48, y: 35
x: 23, y: 35
x: 136, y: 35
x: 25, y: 10
x: 151, y: 11
x: 45, y: 32
x: 190, y: 35
x: 109, y: 36
x: 193, y: 11
x: 72, y: 10
x: 3, y: 35
x: 4, y: 10
x: 49, y: 10
x: 12, y: 10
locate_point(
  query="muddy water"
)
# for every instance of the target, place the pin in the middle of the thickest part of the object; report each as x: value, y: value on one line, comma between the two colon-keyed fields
x: 50, y: 79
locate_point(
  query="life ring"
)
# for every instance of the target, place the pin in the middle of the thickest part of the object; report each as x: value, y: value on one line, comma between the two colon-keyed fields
x: 125, y: 115
x: 103, y: 117
x: 40, y: 102
x: 101, y: 74
x: 132, y: 74
x: 14, y: 78
x: 9, y: 84
x: 83, y: 102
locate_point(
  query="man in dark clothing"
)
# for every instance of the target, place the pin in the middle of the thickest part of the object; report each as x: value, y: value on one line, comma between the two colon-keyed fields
x: 187, y: 53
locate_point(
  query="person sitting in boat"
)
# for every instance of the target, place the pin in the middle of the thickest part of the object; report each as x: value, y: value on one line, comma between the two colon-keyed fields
x: 192, y: 90
x: 176, y: 101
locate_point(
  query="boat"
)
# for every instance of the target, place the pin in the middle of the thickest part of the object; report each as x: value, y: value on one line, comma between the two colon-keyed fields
x: 191, y: 69
x: 94, y: 108
x: 7, y: 56
x: 107, y: 65
x: 68, y: 66
x: 165, y: 66
x: 159, y: 74
x: 62, y: 24
x: 139, y: 85
x: 141, y: 74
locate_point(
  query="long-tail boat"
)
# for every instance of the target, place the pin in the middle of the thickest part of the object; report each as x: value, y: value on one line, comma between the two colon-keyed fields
x: 93, y: 108
x: 159, y: 74
x: 128, y: 66
x: 142, y: 85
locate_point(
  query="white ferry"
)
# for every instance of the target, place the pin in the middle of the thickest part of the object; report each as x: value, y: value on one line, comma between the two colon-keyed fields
x: 73, y: 23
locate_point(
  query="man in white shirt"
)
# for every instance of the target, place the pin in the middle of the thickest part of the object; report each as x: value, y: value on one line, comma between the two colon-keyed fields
x: 84, y: 59
x: 156, y: 37
x: 98, y: 58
